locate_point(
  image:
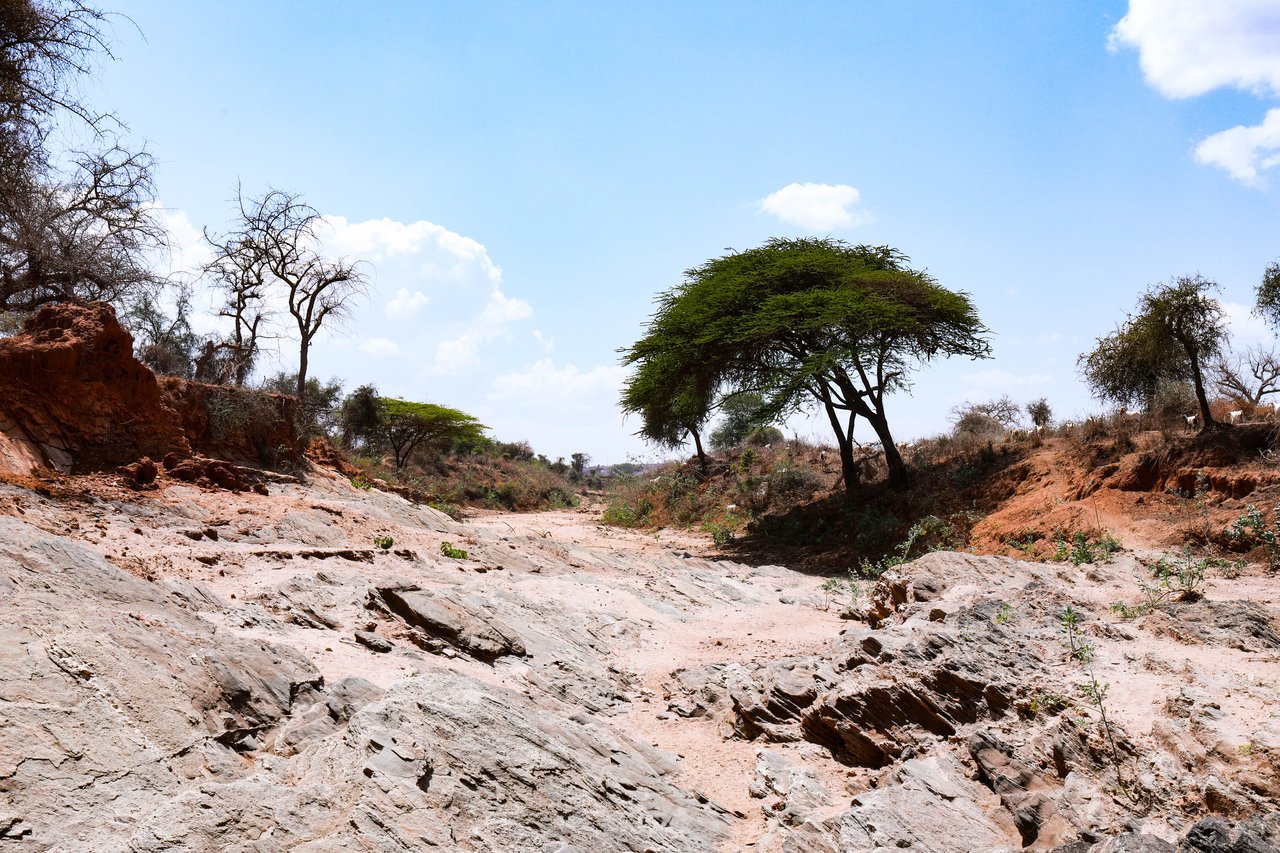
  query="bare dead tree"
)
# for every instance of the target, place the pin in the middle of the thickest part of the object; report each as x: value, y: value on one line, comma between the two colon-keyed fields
x: 85, y: 236
x: 240, y: 270
x: 1248, y: 376
x: 77, y: 225
x: 279, y: 231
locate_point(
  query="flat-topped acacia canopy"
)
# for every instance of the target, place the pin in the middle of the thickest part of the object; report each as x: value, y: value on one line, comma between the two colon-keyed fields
x: 800, y: 322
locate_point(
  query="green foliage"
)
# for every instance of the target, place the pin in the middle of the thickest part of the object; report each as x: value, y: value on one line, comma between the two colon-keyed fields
x: 239, y: 411
x: 318, y: 410
x: 741, y: 415
x: 447, y: 550
x: 406, y: 426
x: 1005, y: 614
x: 1177, y: 328
x: 928, y: 534
x: 1172, y: 578
x: 1080, y: 548
x: 848, y: 587
x: 1039, y: 412
x: 1251, y: 529
x: 1267, y: 296
x: 384, y: 542
x: 801, y: 322
x: 721, y: 535
x: 360, y: 418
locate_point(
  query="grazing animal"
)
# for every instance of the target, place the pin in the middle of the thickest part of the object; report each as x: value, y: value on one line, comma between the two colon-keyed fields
x: 1039, y: 429
x: 1235, y: 416
x: 1133, y: 413
x: 1191, y: 421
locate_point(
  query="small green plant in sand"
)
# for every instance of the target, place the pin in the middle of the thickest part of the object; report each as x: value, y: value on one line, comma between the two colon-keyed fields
x: 1094, y: 691
x: 384, y: 542
x: 1172, y: 579
x: 847, y: 588
x: 926, y: 535
x: 447, y: 550
x: 1079, y: 547
x: 1004, y: 614
x: 1251, y: 530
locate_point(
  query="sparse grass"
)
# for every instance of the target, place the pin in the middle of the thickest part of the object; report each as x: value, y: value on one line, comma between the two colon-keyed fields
x: 481, y: 480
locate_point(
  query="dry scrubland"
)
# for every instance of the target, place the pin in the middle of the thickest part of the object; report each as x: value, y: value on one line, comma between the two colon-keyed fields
x: 207, y: 655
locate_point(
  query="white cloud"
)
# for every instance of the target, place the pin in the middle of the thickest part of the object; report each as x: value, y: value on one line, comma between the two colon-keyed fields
x: 379, y: 239
x: 544, y: 383
x: 499, y: 313
x: 1190, y: 47
x: 1245, y: 327
x: 1244, y: 152
x: 405, y: 304
x: 818, y: 207
x: 547, y: 344
x: 996, y: 380
x: 379, y: 346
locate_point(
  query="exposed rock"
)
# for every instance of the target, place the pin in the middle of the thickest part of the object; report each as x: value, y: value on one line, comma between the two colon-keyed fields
x: 446, y: 617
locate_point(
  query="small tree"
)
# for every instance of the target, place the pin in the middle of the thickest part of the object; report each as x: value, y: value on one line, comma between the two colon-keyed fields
x: 164, y: 343
x: 1039, y: 412
x: 318, y: 407
x: 741, y: 414
x: 1267, y: 296
x: 578, y: 464
x: 672, y: 395
x: 240, y: 270
x: 276, y: 236
x: 360, y: 418
x: 1177, y: 329
x: 407, y: 426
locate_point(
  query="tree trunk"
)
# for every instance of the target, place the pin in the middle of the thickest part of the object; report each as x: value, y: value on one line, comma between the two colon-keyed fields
x: 302, y: 374
x: 850, y: 470
x: 1206, y: 417
x: 703, y: 467
x: 899, y: 476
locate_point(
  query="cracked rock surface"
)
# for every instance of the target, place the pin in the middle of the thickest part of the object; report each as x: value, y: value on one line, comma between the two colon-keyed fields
x: 190, y: 670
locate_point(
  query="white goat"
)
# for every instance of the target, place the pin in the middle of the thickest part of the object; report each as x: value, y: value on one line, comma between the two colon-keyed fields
x: 1235, y: 416
x: 1191, y: 421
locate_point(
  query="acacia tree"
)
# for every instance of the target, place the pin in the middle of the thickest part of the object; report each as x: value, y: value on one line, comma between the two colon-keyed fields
x: 672, y: 395
x: 276, y: 237
x: 1177, y: 329
x: 405, y: 426
x: 814, y: 322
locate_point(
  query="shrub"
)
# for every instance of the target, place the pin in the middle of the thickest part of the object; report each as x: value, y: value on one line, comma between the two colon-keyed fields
x: 447, y: 550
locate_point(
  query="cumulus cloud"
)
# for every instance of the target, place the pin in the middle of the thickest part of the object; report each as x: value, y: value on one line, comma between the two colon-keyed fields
x: 405, y: 304
x: 379, y: 346
x: 444, y: 253
x: 494, y: 321
x: 546, y: 343
x: 1245, y: 327
x: 1191, y: 47
x: 544, y: 383
x: 818, y: 207
x: 996, y: 380
x: 1244, y: 152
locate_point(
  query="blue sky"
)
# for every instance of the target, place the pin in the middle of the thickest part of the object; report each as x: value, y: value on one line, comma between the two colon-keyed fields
x: 524, y: 178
